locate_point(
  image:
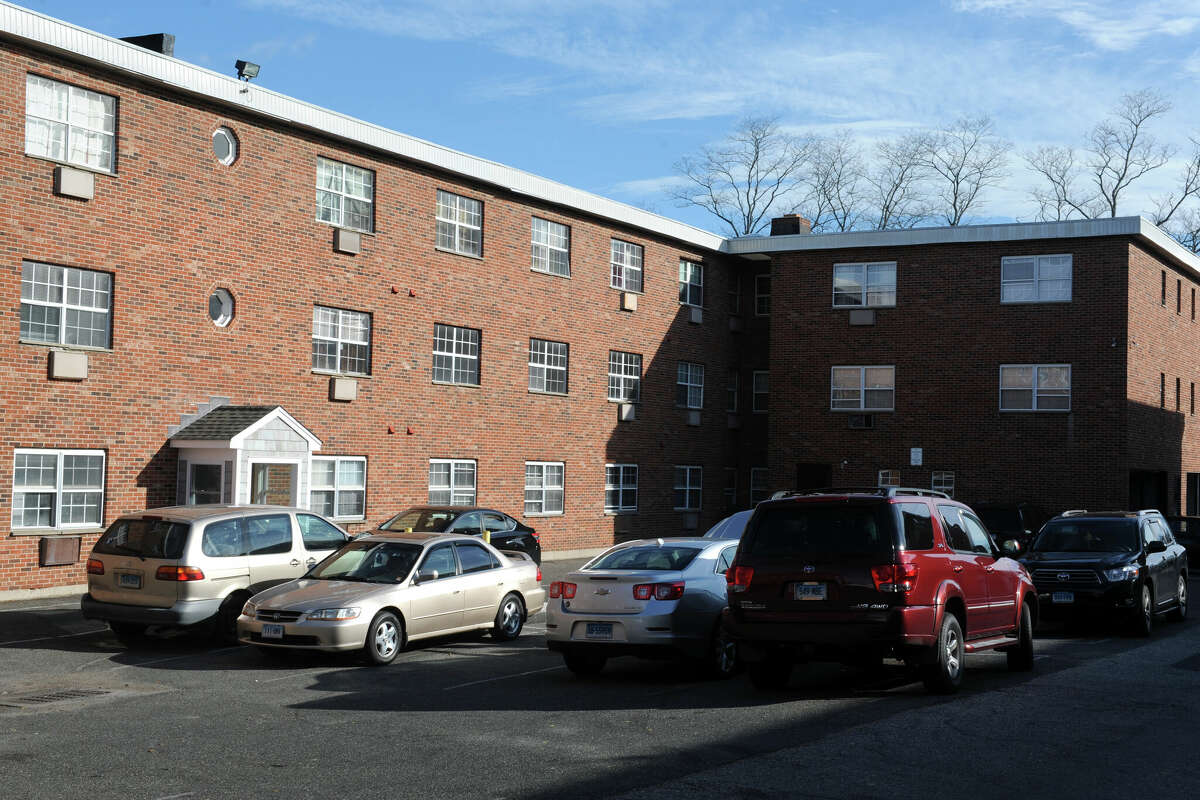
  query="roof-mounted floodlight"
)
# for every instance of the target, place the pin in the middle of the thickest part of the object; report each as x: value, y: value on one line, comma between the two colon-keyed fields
x: 246, y: 69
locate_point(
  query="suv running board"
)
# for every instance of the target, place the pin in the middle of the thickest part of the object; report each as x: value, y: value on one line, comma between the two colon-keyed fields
x: 989, y: 643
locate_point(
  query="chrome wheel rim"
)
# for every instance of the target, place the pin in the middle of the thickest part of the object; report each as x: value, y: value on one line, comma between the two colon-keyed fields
x: 953, y: 653
x: 386, y: 639
x: 1146, y: 603
x: 1181, y: 596
x: 510, y: 617
x: 726, y: 655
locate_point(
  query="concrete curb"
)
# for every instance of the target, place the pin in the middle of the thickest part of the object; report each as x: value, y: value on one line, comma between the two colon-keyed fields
x: 15, y: 595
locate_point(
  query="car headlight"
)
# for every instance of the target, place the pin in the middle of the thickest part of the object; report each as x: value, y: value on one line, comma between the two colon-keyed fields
x: 1125, y: 573
x: 250, y: 609
x: 334, y: 613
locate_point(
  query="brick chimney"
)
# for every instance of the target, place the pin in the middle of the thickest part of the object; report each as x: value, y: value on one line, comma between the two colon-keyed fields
x: 790, y: 224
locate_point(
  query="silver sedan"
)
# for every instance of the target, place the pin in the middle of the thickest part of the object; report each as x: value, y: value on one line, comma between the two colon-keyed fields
x: 379, y: 592
x: 651, y: 598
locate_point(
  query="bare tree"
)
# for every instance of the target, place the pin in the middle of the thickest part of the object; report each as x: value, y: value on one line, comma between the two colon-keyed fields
x: 963, y: 160
x: 1189, y: 186
x: 1123, y: 150
x: 897, y: 184
x: 836, y: 184
x: 1060, y: 198
x: 742, y: 179
x: 1186, y: 229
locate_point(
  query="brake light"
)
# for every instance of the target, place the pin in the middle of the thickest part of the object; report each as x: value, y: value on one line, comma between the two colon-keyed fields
x: 896, y: 578
x: 166, y: 573
x: 539, y: 575
x: 95, y: 566
x: 658, y: 591
x: 737, y: 579
x: 562, y: 589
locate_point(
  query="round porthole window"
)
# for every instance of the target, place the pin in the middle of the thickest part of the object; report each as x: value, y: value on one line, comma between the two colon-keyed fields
x: 220, y: 307
x: 225, y: 145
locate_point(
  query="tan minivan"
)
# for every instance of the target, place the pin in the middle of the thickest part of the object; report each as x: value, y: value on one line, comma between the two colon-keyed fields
x: 192, y: 565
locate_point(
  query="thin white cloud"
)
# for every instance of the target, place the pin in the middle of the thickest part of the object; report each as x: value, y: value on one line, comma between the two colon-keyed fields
x: 649, y: 186
x: 1108, y: 25
x: 268, y: 48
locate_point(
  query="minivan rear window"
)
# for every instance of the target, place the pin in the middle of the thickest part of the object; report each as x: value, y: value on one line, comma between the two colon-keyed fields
x: 144, y: 538
x: 803, y: 529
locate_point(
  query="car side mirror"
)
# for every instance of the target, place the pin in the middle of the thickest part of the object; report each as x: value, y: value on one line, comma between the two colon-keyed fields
x: 1010, y: 547
x: 424, y: 576
x: 1156, y: 546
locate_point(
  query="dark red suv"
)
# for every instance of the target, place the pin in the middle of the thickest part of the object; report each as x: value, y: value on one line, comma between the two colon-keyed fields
x: 857, y: 575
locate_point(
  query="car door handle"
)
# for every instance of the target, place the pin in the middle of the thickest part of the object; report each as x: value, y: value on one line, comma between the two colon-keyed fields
x: 990, y: 569
x: 457, y: 591
x: 310, y: 562
x: 958, y: 568
x: 295, y: 562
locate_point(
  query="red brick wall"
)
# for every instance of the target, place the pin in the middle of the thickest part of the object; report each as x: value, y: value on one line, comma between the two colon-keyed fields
x: 173, y: 224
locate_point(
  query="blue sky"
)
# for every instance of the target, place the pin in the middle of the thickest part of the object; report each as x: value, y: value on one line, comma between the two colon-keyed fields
x: 606, y: 95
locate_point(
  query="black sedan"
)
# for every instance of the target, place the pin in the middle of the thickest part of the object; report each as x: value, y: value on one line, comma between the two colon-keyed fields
x: 504, y: 532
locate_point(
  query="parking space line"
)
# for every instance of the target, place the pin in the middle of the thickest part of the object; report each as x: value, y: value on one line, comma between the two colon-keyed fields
x: 48, y: 638
x: 502, y: 678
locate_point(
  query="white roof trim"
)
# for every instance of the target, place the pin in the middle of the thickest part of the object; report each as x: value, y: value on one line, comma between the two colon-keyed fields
x: 122, y: 56
x: 237, y: 442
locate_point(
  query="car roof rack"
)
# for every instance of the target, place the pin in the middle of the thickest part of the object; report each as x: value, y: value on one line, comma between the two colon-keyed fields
x: 1074, y: 512
x: 881, y: 491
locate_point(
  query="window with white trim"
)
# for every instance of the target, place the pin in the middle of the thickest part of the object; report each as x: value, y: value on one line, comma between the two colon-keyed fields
x: 689, y: 385
x: 548, y: 366
x: 863, y: 389
x: 1035, y: 387
x: 762, y: 295
x: 731, y: 391
x: 338, y: 487
x: 889, y: 477
x: 58, y: 489
x: 689, y: 483
x: 864, y: 285
x: 620, y: 488
x: 1036, y: 279
x: 626, y: 266
x: 459, y: 224
x: 64, y: 305
x: 551, y: 243
x: 730, y: 490
x: 760, y: 391
x: 455, y: 355
x: 759, y: 485
x: 624, y: 376
x: 341, y: 341
x: 345, y: 195
x: 691, y: 283
x: 943, y: 481
x: 451, y: 482
x: 69, y: 124
x: 544, y: 487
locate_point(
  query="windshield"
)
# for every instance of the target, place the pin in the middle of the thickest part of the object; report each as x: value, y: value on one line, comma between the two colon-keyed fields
x: 146, y: 538
x: 370, y: 562
x: 1088, y: 536
x: 801, y: 529
x: 647, y: 557
x: 421, y: 519
x: 1001, y: 520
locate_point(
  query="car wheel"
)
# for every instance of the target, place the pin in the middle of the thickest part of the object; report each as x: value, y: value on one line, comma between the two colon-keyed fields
x: 770, y: 674
x: 721, y: 661
x: 510, y: 618
x: 584, y: 663
x: 944, y: 675
x: 225, y: 625
x: 385, y: 639
x: 128, y: 633
x: 1143, y: 621
x: 1020, y: 658
x: 1181, y: 600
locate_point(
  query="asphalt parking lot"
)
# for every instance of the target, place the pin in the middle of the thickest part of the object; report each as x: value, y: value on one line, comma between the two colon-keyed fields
x: 1103, y: 715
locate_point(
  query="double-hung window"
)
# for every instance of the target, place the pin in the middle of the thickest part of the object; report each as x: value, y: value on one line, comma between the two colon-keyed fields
x: 1038, y: 279
x: 345, y: 195
x: 943, y: 481
x: 69, y: 124
x: 455, y: 355
x: 341, y: 341
x: 58, y: 489
x: 762, y: 295
x: 864, y: 285
x: 451, y: 482
x: 863, y: 389
x: 624, y: 376
x: 63, y: 305
x: 689, y: 482
x: 339, y: 487
x: 730, y: 490
x: 544, y: 487
x: 691, y: 283
x: 551, y: 247
x: 761, y: 394
x: 689, y: 385
x: 459, y: 224
x: 626, y: 266
x: 620, y: 488
x: 548, y: 366
x: 759, y: 485
x: 1035, y: 387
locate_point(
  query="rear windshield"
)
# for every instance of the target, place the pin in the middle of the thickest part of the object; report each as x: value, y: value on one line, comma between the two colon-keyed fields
x: 1000, y: 520
x: 421, y: 519
x: 802, y: 529
x: 648, y: 557
x: 369, y: 562
x: 1088, y: 536
x: 145, y: 538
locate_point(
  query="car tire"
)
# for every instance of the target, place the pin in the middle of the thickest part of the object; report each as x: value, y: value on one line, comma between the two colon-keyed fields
x: 510, y: 618
x: 225, y: 623
x: 1143, y: 619
x: 721, y: 661
x: 944, y: 675
x: 771, y: 674
x: 385, y: 639
x: 129, y: 634
x: 1020, y: 658
x: 584, y: 663
x: 1179, y: 614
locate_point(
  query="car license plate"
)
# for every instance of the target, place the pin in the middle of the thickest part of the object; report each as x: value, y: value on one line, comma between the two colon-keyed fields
x: 129, y: 580
x: 272, y: 630
x: 810, y: 590
x: 1062, y: 597
x: 599, y: 630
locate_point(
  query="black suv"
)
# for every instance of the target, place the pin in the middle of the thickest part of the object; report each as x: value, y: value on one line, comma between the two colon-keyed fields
x: 1122, y: 562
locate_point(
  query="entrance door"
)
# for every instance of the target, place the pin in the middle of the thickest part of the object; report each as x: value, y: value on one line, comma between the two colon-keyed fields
x: 206, y: 484
x: 273, y: 484
x: 813, y: 476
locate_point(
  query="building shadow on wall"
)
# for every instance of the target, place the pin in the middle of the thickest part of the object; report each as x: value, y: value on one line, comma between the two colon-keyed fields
x: 158, y: 476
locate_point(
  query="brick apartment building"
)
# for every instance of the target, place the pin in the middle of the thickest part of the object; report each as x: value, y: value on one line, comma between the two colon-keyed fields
x: 216, y: 293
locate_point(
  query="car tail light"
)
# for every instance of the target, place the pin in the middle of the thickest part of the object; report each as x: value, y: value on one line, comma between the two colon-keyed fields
x: 166, y: 573
x: 95, y: 566
x: 737, y: 579
x: 539, y: 575
x: 536, y: 536
x: 563, y: 589
x: 898, y: 578
x: 658, y: 591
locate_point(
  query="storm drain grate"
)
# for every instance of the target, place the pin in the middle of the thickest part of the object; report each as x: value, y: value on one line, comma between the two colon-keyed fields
x: 62, y: 694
